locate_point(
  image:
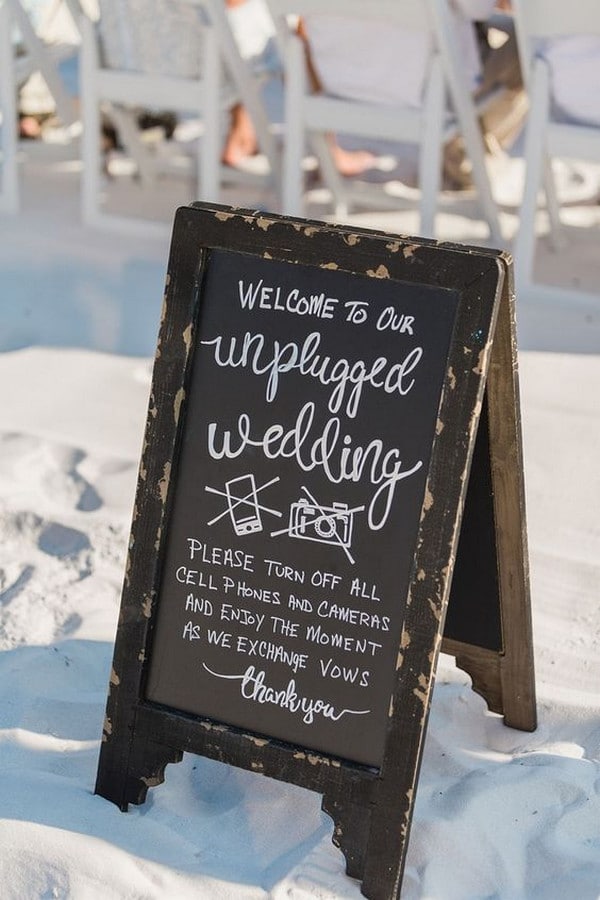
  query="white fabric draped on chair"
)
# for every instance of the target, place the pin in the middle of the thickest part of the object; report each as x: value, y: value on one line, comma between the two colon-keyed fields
x: 428, y: 122
x: 156, y: 37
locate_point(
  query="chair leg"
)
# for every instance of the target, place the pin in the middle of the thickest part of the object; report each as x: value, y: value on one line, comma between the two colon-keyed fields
x: 535, y: 169
x: 552, y: 207
x: 65, y: 106
x: 210, y: 145
x: 430, y: 151
x: 467, y: 117
x: 484, y: 191
x: 295, y: 87
x: 129, y: 133
x: 90, y: 117
x: 330, y: 174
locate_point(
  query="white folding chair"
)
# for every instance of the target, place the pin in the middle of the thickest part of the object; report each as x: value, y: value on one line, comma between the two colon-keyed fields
x: 547, y: 139
x: 9, y: 183
x: 149, y: 85
x: 310, y: 115
x: 43, y: 58
x: 207, y: 93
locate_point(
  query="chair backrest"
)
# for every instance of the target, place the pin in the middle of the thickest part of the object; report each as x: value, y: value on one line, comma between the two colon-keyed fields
x: 540, y: 20
x: 435, y: 18
x: 410, y: 15
x: 552, y: 18
x: 345, y: 36
x: 413, y: 14
x: 157, y: 37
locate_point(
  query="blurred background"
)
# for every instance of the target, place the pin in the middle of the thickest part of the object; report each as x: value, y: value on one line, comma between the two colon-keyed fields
x: 465, y: 121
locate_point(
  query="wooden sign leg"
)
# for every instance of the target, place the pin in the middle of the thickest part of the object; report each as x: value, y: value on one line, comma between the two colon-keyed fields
x: 488, y: 625
x: 517, y: 664
x: 351, y: 830
x: 129, y: 766
x: 383, y: 874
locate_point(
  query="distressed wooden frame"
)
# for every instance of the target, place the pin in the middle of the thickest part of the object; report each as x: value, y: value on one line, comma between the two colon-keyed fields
x: 505, y: 677
x: 371, y: 809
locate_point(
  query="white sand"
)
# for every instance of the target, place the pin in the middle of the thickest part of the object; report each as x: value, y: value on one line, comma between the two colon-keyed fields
x: 500, y: 813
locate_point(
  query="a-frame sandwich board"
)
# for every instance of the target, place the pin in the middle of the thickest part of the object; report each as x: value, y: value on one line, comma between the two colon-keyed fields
x: 328, y: 383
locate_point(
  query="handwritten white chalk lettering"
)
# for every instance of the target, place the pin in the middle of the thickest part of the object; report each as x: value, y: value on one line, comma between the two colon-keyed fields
x: 318, y: 439
x: 356, y: 312
x: 191, y: 632
x: 350, y: 675
x: 281, y: 570
x: 328, y: 610
x: 262, y: 595
x: 200, y: 605
x: 273, y: 298
x: 218, y: 556
x: 219, y: 638
x: 316, y: 635
x: 300, y: 603
x: 277, y: 359
x: 325, y: 579
x: 331, y: 452
x: 272, y: 652
x: 253, y: 687
x: 284, y: 627
x: 196, y: 577
x: 359, y: 588
x: 394, y: 321
x: 246, y: 617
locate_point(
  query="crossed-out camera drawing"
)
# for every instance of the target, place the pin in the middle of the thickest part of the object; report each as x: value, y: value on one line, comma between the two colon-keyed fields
x: 311, y: 521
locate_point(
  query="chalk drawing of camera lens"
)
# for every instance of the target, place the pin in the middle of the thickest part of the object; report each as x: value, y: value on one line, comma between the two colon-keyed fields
x: 324, y: 524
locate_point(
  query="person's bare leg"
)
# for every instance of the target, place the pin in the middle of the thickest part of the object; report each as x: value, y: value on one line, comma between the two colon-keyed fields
x: 241, y: 139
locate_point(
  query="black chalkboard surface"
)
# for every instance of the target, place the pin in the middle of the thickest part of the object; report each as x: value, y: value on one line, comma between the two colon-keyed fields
x: 311, y: 446
x: 310, y: 418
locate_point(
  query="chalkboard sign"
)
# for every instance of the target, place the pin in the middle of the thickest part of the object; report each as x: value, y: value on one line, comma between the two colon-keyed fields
x: 311, y: 411
x: 312, y: 423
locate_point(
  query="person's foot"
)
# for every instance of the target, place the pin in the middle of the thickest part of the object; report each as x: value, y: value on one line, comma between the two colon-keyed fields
x: 30, y: 127
x: 351, y: 162
x: 241, y: 140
